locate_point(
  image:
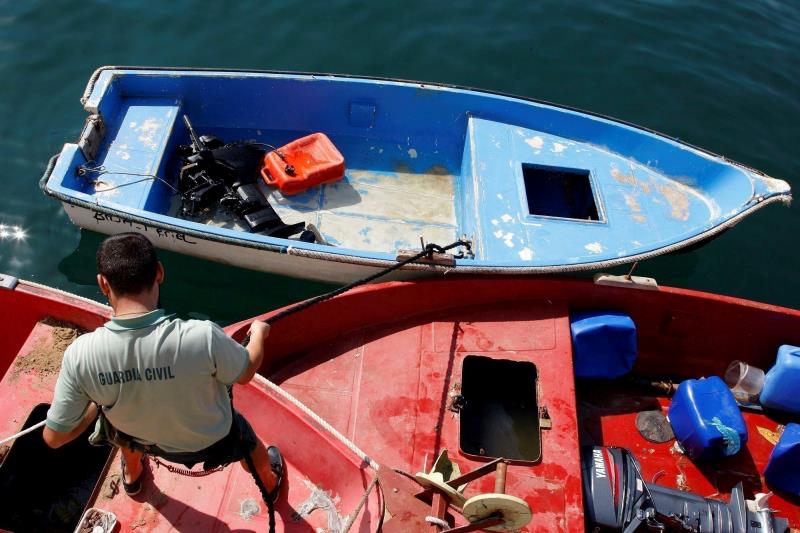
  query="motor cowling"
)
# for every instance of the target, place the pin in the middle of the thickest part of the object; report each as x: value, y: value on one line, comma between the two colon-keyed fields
x: 617, y: 499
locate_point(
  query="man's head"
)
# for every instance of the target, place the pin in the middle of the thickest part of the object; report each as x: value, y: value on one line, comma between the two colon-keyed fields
x: 127, y: 266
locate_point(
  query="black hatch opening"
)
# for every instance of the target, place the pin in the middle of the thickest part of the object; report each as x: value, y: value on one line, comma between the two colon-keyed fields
x: 42, y: 489
x: 500, y: 414
x: 559, y: 192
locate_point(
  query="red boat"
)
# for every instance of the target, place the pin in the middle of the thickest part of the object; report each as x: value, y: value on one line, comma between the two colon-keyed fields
x: 49, y: 490
x: 385, y: 365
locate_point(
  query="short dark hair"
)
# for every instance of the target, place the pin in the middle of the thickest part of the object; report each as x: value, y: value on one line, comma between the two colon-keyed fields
x: 128, y: 261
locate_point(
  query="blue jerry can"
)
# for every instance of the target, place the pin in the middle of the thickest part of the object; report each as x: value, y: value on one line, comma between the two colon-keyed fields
x: 782, y: 381
x: 603, y: 344
x: 706, y: 419
x: 783, y: 469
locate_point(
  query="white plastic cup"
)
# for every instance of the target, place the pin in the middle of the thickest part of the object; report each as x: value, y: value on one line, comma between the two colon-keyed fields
x: 745, y: 381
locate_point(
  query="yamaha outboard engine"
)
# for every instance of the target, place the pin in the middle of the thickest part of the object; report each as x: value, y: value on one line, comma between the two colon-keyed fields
x: 618, y: 499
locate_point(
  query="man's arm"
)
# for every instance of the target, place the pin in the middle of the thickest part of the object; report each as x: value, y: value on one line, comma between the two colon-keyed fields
x: 259, y: 331
x: 56, y: 439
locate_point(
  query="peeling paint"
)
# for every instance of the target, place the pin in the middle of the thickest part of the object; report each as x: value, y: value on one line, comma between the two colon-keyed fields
x: 558, y: 148
x: 639, y: 218
x: 499, y: 196
x: 619, y: 177
x: 632, y: 203
x: 536, y: 142
x: 677, y: 199
x: 526, y: 254
x: 412, y: 153
x: 148, y: 132
x: 508, y: 239
x: 498, y: 234
x: 495, y: 222
x: 506, y: 218
x: 594, y: 247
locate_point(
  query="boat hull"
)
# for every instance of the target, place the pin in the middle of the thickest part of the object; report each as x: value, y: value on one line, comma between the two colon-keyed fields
x: 537, y: 188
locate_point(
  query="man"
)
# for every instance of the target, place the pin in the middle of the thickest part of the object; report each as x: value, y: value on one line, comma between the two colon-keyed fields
x: 160, y: 382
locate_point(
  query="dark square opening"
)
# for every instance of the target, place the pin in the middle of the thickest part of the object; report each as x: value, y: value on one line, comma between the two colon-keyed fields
x: 500, y: 415
x: 42, y: 489
x: 559, y: 192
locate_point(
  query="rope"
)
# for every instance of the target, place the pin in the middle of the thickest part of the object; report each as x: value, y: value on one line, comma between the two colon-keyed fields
x: 352, y: 518
x: 428, y: 251
x: 436, y: 521
x: 319, y: 420
x: 83, y: 170
x: 23, y: 432
x: 264, y: 495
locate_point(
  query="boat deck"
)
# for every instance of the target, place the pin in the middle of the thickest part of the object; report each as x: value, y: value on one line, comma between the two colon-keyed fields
x: 388, y: 389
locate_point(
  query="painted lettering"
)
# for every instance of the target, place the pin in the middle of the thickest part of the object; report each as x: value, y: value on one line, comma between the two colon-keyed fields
x: 599, y: 464
x: 148, y: 374
x: 163, y: 233
x: 102, y: 378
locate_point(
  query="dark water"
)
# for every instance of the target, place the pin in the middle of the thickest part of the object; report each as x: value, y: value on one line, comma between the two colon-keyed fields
x: 722, y: 75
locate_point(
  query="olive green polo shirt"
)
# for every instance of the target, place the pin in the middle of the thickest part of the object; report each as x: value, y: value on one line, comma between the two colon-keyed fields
x: 159, y: 379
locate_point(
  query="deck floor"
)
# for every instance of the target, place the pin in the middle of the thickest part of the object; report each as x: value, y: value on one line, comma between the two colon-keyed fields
x: 368, y: 211
x: 377, y: 211
x: 388, y: 389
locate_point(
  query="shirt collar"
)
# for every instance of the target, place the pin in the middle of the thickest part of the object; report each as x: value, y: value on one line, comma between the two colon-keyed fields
x: 137, y: 322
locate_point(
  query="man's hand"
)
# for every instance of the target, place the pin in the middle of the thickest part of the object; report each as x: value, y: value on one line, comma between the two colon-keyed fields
x: 259, y: 331
x: 258, y: 328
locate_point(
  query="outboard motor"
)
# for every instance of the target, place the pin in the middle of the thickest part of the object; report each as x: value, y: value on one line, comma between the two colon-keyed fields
x: 214, y: 172
x: 618, y: 499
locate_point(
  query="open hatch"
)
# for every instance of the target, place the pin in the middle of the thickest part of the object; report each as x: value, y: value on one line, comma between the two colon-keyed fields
x: 42, y: 489
x: 500, y: 414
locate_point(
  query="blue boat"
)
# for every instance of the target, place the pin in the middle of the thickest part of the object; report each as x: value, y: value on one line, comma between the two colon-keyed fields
x: 536, y: 187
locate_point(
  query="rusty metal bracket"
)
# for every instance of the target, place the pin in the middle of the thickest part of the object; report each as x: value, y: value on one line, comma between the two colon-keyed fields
x: 435, y: 258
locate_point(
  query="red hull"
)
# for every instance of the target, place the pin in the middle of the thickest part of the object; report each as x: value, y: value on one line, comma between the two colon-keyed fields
x: 380, y: 361
x: 170, y: 502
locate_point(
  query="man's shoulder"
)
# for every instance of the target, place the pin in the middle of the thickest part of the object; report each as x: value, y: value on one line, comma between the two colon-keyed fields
x: 195, y: 331
x: 88, y: 340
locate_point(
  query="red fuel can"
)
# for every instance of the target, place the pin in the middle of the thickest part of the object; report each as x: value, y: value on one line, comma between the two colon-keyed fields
x: 303, y: 163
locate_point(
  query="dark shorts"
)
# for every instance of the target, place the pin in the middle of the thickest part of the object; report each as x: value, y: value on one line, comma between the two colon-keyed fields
x: 240, y: 440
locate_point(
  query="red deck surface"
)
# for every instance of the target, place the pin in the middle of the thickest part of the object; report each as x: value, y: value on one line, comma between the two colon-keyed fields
x: 378, y: 363
x: 388, y: 389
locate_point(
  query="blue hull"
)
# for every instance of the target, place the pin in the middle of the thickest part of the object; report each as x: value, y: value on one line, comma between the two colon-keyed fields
x: 537, y: 187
